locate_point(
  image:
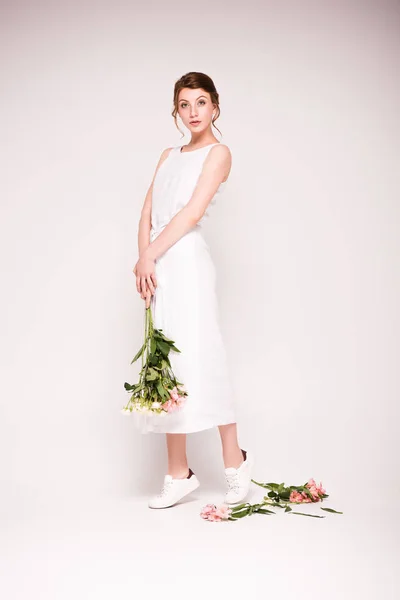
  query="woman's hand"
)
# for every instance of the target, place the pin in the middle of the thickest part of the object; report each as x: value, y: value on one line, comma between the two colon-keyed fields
x: 147, y: 297
x: 146, y: 281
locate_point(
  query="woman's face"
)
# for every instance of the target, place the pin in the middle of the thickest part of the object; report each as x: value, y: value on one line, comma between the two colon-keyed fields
x: 195, y: 109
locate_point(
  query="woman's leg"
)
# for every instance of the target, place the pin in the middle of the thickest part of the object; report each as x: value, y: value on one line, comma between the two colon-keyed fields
x: 231, y: 451
x: 177, y: 459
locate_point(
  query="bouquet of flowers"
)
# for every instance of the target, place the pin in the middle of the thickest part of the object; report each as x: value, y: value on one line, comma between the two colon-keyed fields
x: 157, y: 391
x: 279, y: 495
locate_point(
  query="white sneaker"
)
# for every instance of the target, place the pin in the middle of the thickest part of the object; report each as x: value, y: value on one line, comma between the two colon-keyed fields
x: 239, y: 480
x: 174, y: 490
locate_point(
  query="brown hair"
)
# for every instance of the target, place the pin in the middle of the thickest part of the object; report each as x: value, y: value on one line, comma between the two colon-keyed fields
x: 193, y: 81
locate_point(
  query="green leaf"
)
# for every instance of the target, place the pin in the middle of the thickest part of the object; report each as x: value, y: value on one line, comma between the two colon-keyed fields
x: 151, y: 374
x: 274, y: 503
x: 163, y: 347
x: 174, y: 348
x: 287, y: 509
x: 240, y: 514
x: 331, y: 510
x: 163, y: 337
x: 264, y: 485
x: 239, y: 506
x: 140, y: 352
x: 307, y: 515
x: 153, y: 345
x: 163, y: 393
x: 265, y: 511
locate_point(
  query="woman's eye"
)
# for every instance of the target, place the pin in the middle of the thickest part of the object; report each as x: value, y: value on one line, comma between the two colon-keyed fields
x: 184, y: 104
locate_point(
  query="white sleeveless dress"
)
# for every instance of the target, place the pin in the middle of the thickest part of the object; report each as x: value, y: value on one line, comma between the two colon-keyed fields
x: 185, y: 305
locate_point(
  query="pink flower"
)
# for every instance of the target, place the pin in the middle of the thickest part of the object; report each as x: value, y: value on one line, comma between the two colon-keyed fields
x: 300, y: 498
x: 306, y: 498
x: 174, y: 394
x: 317, y: 491
x: 211, y: 512
x: 295, y: 496
x: 174, y: 401
x: 223, y: 511
x: 207, y: 510
x: 169, y: 406
x: 314, y: 493
x: 214, y: 517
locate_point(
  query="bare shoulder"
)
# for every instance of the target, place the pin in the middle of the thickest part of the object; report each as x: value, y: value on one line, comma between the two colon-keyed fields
x: 165, y: 154
x: 220, y: 154
x: 221, y: 150
x: 163, y: 157
x: 219, y: 157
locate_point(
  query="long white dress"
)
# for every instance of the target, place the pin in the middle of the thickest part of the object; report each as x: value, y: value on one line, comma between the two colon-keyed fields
x: 185, y: 305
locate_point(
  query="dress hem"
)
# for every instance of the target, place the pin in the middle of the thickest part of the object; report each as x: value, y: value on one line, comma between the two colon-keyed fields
x: 230, y: 421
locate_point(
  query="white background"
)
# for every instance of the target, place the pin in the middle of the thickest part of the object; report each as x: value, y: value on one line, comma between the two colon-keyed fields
x: 305, y: 240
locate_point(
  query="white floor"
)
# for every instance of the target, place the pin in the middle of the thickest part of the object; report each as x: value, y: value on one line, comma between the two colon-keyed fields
x: 119, y: 548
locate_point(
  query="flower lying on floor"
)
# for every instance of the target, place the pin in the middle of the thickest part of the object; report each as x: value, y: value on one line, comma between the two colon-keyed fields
x: 211, y: 512
x: 317, y: 492
x: 158, y: 391
x: 279, y: 496
x: 309, y: 492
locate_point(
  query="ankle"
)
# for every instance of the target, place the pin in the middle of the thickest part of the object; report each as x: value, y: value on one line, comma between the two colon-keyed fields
x: 235, y: 460
x: 180, y: 473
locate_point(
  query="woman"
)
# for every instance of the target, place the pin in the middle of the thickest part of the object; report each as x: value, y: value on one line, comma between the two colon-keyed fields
x: 176, y: 274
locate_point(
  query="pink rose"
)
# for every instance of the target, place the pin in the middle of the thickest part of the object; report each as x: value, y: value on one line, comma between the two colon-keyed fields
x: 180, y: 400
x: 317, y: 491
x: 295, y: 496
x: 223, y: 511
x: 210, y: 512
x: 169, y: 406
x: 314, y: 493
x: 174, y: 393
x: 214, y: 517
x: 305, y: 498
x: 207, y: 509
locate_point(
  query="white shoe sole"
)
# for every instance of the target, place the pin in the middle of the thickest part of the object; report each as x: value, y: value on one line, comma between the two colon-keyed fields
x: 156, y: 502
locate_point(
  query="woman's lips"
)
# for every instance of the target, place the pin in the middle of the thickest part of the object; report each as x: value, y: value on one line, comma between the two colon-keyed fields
x: 195, y: 122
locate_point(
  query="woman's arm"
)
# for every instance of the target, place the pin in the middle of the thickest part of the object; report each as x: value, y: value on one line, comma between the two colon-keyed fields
x: 145, y: 216
x: 216, y: 168
x: 147, y: 288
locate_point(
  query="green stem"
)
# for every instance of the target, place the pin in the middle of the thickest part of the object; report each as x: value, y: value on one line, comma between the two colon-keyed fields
x: 145, y: 343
